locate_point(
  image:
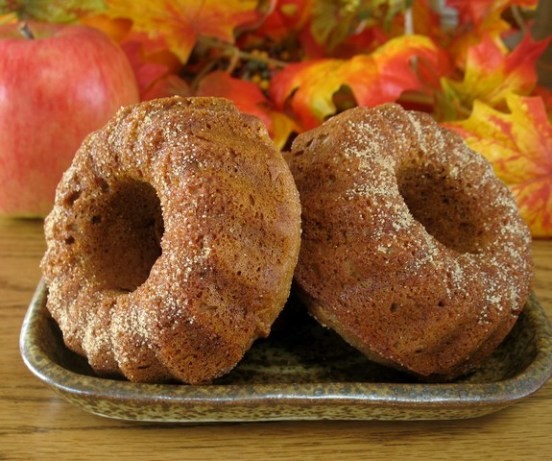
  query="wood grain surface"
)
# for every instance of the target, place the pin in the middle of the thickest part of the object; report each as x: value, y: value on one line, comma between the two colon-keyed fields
x: 37, y: 424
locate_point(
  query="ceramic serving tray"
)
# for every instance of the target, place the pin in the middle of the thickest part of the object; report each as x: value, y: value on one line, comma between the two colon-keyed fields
x: 301, y: 372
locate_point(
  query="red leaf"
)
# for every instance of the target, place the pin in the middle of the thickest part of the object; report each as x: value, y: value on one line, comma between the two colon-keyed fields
x: 287, y: 17
x: 249, y: 99
x: 246, y: 95
x: 476, y: 11
x: 491, y: 75
x: 309, y: 87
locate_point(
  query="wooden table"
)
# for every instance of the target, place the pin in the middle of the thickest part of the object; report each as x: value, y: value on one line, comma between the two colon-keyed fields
x: 37, y: 424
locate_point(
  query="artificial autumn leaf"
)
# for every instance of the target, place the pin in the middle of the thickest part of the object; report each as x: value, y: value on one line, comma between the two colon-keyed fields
x: 365, y: 41
x: 155, y: 78
x: 153, y: 51
x: 249, y: 99
x: 546, y: 95
x: 245, y: 94
x: 117, y: 29
x: 166, y: 85
x: 287, y: 18
x: 379, y: 77
x: 145, y: 72
x: 155, y: 67
x: 346, y: 42
x: 477, y: 11
x: 479, y: 19
x: 281, y: 127
x: 334, y: 21
x: 57, y: 11
x: 181, y: 22
x: 493, y: 27
x: 426, y: 21
x: 519, y: 146
x: 491, y: 74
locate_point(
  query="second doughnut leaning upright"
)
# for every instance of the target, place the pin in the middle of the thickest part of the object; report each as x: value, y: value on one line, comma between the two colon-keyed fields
x: 412, y: 249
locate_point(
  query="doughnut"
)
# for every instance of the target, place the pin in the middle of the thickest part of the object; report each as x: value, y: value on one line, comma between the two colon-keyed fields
x: 412, y: 250
x: 172, y: 241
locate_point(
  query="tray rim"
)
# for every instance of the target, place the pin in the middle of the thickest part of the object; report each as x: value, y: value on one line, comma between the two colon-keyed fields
x: 483, y: 398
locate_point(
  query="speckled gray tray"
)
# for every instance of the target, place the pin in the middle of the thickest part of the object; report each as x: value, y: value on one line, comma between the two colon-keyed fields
x: 302, y: 372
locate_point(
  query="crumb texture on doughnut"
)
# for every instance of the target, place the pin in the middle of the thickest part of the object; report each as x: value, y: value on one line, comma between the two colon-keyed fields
x: 412, y: 249
x: 172, y: 242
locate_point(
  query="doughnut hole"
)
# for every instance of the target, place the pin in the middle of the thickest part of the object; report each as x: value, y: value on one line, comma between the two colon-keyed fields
x: 443, y: 206
x: 122, y: 235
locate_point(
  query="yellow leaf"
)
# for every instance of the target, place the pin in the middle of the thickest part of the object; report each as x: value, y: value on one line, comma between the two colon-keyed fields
x: 181, y: 22
x: 491, y: 74
x: 281, y: 128
x: 518, y: 144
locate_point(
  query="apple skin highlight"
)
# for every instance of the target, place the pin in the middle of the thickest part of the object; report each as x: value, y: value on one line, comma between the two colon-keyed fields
x: 54, y: 90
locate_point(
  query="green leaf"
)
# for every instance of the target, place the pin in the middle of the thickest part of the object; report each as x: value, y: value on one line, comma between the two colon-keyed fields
x: 57, y: 11
x: 333, y: 21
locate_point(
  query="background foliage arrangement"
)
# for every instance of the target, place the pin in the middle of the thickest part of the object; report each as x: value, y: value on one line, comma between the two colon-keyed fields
x: 294, y: 63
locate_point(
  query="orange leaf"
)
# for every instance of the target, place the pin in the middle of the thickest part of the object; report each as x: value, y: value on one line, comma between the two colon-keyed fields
x: 154, y: 66
x: 181, y: 22
x: 117, y: 29
x: 546, y: 95
x: 491, y: 74
x: 287, y: 17
x: 534, y: 200
x: 146, y: 72
x: 249, y: 99
x: 477, y: 11
x: 379, y: 77
x: 519, y: 146
x: 390, y: 70
x: 245, y: 94
x: 167, y: 85
x: 281, y: 128
x: 427, y: 22
x: 465, y: 37
x: 479, y: 19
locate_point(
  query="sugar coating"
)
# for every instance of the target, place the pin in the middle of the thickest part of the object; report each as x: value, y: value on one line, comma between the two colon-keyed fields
x: 413, y: 250
x: 172, y: 242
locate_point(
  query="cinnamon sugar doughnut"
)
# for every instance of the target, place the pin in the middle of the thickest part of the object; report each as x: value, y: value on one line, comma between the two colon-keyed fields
x: 412, y: 249
x: 172, y: 242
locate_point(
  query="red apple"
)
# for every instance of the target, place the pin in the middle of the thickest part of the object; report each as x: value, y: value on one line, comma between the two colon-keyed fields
x: 54, y: 90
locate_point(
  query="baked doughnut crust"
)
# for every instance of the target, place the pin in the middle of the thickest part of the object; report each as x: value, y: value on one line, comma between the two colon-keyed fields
x: 172, y: 242
x: 412, y: 249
